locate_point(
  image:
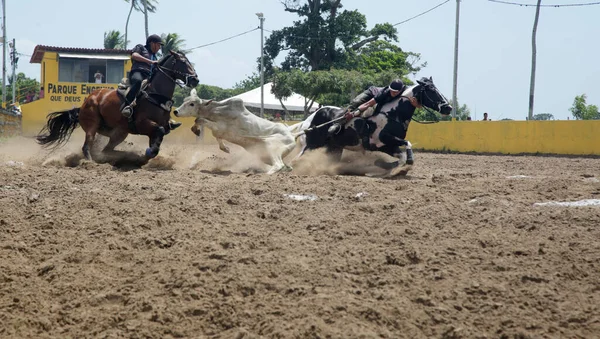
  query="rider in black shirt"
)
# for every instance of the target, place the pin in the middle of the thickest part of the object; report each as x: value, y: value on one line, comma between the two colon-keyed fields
x: 144, y: 60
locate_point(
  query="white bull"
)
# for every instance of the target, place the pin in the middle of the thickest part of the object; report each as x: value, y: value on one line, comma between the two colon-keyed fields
x: 230, y: 120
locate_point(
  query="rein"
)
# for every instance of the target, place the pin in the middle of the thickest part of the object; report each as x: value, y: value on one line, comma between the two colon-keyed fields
x: 164, y: 70
x: 432, y: 112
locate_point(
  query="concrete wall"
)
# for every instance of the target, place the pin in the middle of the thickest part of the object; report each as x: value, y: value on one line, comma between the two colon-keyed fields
x: 575, y: 137
x: 10, y: 124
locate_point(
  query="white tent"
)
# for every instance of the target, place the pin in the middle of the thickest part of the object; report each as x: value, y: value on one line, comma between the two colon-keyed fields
x: 294, y: 103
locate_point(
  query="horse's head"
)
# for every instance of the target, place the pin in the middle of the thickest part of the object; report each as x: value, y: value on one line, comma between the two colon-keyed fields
x: 177, y: 66
x: 428, y: 95
x: 193, y: 106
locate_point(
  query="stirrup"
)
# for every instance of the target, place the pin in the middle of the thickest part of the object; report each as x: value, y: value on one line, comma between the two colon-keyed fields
x: 127, y: 112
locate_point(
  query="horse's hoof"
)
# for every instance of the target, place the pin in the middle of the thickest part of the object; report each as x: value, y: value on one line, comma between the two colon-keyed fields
x: 386, y: 165
x: 400, y: 170
x: 410, y: 157
x: 150, y: 153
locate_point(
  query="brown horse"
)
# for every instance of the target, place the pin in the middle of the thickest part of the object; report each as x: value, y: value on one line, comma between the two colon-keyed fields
x: 101, y: 111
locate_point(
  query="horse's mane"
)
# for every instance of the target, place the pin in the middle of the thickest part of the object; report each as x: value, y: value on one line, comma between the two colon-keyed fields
x: 164, y: 59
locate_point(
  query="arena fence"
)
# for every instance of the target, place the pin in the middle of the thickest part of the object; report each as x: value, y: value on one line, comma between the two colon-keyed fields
x: 569, y: 137
x: 10, y: 123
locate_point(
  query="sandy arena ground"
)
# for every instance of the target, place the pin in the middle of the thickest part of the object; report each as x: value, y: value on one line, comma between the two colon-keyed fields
x: 199, y: 244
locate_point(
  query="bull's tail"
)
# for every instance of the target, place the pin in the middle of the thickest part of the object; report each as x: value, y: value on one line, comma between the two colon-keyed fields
x: 59, y: 128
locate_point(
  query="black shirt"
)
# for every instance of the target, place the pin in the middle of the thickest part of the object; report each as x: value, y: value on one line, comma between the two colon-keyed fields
x: 141, y: 66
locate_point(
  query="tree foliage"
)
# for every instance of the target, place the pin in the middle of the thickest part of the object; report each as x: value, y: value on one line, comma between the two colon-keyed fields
x: 24, y: 86
x: 205, y: 92
x: 582, y: 111
x: 335, y: 87
x: 173, y: 42
x: 331, y: 55
x: 326, y: 36
x: 463, y: 112
x: 543, y: 116
x: 114, y: 40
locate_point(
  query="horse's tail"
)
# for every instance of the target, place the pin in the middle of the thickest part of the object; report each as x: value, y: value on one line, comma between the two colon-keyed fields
x: 59, y: 128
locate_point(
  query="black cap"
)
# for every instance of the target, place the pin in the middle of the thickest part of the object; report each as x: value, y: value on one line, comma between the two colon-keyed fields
x: 397, y: 85
x: 154, y: 38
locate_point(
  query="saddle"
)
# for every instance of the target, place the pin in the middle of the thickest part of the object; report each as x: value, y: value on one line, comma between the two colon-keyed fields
x: 124, y: 87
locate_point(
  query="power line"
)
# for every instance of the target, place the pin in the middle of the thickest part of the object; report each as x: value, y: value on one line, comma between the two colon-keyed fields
x: 396, y: 24
x: 531, y: 5
x: 231, y: 37
x: 418, y: 15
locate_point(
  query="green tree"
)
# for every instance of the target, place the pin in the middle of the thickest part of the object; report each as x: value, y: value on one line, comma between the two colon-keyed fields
x: 463, y: 112
x: 173, y: 42
x: 543, y: 116
x: 250, y: 83
x: 333, y: 87
x: 325, y: 36
x: 114, y: 40
x: 203, y: 91
x: 24, y: 86
x: 582, y: 111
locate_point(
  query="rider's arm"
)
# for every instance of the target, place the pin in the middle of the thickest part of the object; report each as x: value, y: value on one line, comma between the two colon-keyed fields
x: 367, y: 105
x: 138, y: 57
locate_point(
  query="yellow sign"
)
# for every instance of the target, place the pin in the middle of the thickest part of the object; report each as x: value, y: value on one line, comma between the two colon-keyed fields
x: 72, y: 93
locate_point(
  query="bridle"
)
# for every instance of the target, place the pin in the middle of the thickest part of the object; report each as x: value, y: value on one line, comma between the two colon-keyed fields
x: 186, y: 76
x: 419, y: 96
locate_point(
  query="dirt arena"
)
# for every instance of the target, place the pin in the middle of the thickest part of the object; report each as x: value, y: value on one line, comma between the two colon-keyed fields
x: 200, y: 244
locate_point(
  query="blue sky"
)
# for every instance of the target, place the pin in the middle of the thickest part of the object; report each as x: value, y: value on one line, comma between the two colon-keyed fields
x: 494, y: 52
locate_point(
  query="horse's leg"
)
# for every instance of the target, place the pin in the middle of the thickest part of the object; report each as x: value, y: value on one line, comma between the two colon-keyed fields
x: 116, y: 137
x: 403, y: 170
x: 155, y: 135
x: 89, y: 120
x: 155, y: 142
x: 335, y: 153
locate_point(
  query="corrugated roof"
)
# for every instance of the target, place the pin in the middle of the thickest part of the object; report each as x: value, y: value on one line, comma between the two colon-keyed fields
x: 38, y: 52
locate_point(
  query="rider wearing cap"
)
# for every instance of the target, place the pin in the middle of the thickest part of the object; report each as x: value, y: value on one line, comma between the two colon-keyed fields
x: 144, y: 60
x: 371, y: 96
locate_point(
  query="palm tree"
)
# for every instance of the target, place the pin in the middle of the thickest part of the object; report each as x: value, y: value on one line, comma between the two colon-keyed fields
x: 144, y: 6
x: 173, y: 42
x: 114, y: 40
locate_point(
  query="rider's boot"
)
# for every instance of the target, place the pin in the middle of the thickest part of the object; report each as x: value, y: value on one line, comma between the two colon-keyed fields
x: 336, y: 127
x: 127, y: 111
x: 174, y: 124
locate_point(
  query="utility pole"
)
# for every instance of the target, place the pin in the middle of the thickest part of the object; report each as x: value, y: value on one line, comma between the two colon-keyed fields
x: 4, y: 53
x: 533, y: 59
x: 13, y: 62
x: 454, y: 89
x: 262, y: 65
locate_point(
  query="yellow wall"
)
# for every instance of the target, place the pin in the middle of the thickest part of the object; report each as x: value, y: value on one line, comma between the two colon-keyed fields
x: 575, y: 137
x: 58, y: 96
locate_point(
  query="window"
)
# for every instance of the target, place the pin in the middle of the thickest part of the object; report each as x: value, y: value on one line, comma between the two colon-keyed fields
x: 73, y: 70
x: 114, y: 71
x: 85, y: 70
x: 97, y: 66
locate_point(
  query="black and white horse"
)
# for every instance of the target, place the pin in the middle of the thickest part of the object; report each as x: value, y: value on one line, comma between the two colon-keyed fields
x: 386, y: 131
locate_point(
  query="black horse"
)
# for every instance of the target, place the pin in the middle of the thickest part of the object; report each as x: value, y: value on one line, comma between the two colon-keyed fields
x: 384, y: 132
